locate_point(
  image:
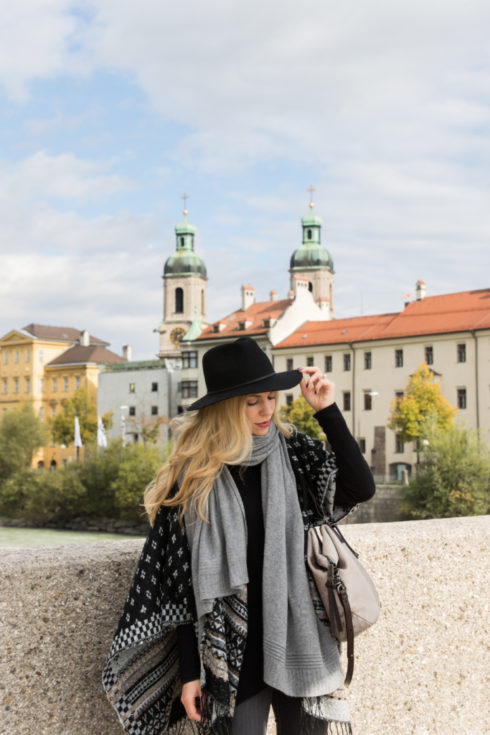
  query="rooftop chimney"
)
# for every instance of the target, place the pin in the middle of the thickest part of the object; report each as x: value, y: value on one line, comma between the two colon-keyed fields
x: 273, y: 295
x: 248, y: 296
x: 420, y: 290
x: 127, y: 353
x: 84, y: 338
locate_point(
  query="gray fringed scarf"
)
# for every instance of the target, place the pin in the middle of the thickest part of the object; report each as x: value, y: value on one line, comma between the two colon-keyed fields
x: 300, y: 656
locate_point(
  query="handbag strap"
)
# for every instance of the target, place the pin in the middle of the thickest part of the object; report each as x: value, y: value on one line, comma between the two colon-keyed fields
x: 350, y: 634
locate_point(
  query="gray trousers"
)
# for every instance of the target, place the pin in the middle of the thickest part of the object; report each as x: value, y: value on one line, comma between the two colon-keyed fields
x: 251, y: 715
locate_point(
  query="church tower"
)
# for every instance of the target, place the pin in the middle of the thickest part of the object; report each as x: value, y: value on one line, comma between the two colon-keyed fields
x: 184, y: 291
x: 313, y: 262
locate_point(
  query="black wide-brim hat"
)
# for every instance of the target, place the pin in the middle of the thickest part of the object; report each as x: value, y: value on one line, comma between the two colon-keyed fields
x: 238, y: 368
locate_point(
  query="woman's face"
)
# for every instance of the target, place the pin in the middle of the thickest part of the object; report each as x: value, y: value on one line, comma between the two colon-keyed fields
x: 258, y: 410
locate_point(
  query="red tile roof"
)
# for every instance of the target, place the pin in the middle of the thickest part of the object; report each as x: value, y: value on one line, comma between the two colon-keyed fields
x: 80, y: 355
x: 63, y: 334
x: 457, y: 312
x: 255, y: 314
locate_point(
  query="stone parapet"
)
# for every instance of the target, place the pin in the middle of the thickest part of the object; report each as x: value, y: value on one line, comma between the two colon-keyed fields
x: 421, y: 670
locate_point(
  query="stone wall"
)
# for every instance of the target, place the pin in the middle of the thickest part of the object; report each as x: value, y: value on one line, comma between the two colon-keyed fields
x: 420, y: 670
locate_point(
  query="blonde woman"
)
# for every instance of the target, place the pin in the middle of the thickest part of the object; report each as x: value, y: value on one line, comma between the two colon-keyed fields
x: 222, y: 621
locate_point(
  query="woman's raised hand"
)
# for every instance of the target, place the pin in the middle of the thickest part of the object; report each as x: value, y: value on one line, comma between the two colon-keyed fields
x: 191, y: 698
x: 317, y: 389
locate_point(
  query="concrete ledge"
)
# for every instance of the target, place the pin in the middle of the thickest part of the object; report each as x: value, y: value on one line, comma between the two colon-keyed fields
x: 420, y: 671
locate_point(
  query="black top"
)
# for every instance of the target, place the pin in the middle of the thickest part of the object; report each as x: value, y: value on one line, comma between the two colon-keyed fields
x: 354, y: 484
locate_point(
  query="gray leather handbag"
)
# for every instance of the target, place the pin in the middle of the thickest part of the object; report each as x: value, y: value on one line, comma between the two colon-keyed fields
x: 347, y: 591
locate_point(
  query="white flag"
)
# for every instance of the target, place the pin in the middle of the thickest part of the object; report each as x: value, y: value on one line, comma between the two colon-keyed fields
x: 78, y: 437
x: 101, y: 435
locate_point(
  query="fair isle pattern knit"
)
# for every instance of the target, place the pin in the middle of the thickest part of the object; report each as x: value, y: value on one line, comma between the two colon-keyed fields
x: 141, y: 674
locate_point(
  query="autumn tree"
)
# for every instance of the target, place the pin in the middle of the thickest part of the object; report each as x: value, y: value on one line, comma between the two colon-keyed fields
x: 422, y: 406
x: 301, y: 415
x: 63, y: 425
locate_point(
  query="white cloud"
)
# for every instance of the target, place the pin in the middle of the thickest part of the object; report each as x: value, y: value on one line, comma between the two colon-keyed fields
x: 36, y: 41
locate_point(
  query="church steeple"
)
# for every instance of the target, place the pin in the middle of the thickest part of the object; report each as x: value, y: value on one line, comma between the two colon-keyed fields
x: 184, y: 289
x: 313, y: 261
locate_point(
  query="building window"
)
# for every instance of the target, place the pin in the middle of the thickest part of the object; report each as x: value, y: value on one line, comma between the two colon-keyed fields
x: 289, y: 399
x: 54, y: 385
x: 41, y: 385
x: 132, y: 411
x: 154, y: 410
x: 362, y: 445
x: 28, y: 355
x: 53, y: 411
x: 179, y: 300
x: 154, y: 387
x: 78, y: 382
x: 309, y: 362
x: 189, y: 389
x: 65, y: 384
x: 429, y: 355
x: 399, y: 444
x: 41, y: 355
x: 5, y: 385
x: 347, y: 361
x: 289, y: 364
x: 189, y: 359
x: 132, y: 387
x: 398, y: 395
x: 328, y: 363
x: 16, y: 356
x: 5, y: 358
x: 367, y: 361
x: 399, y: 358
x: 368, y: 401
x: 462, y: 353
x: 346, y: 400
x: 28, y: 385
x: 461, y: 397
x: 41, y: 412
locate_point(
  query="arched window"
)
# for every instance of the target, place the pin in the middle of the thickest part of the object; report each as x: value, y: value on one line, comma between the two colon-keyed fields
x: 182, y: 242
x: 310, y: 287
x: 309, y: 234
x: 179, y: 300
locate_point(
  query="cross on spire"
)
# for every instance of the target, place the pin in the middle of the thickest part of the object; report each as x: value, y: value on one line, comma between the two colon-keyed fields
x: 185, y: 197
x: 311, y: 189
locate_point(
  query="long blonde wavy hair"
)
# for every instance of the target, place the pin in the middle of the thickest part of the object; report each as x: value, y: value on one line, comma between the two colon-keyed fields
x: 205, y: 440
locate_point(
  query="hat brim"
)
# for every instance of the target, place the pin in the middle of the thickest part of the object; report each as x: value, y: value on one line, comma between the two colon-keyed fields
x: 278, y: 381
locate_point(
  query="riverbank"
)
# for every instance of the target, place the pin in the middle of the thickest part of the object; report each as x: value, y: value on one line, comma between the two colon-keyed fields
x: 88, y: 524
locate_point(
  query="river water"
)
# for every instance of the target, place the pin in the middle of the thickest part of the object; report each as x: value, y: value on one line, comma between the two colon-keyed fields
x: 25, y: 537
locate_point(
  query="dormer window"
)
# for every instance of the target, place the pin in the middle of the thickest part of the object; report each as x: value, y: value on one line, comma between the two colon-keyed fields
x: 241, y: 326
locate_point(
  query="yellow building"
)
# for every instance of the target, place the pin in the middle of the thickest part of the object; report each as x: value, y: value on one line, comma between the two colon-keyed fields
x: 47, y: 365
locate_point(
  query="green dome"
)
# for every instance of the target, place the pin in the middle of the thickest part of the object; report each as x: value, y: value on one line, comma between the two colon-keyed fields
x: 184, y: 262
x: 311, y: 256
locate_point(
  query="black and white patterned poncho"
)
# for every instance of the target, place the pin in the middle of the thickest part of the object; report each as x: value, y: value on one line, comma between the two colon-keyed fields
x: 141, y: 673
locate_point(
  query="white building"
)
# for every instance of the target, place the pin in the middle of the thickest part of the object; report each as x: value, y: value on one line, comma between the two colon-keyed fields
x: 139, y: 394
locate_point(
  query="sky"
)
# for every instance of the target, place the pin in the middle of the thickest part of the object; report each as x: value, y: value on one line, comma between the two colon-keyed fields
x: 111, y: 110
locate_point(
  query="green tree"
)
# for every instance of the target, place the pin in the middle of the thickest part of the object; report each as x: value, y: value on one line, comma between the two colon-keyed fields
x: 453, y: 477
x: 21, y: 435
x: 301, y: 415
x: 422, y: 405
x: 63, y: 425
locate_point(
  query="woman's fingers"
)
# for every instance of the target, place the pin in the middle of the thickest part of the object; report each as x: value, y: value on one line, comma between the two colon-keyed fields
x: 191, y: 699
x: 317, y: 389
